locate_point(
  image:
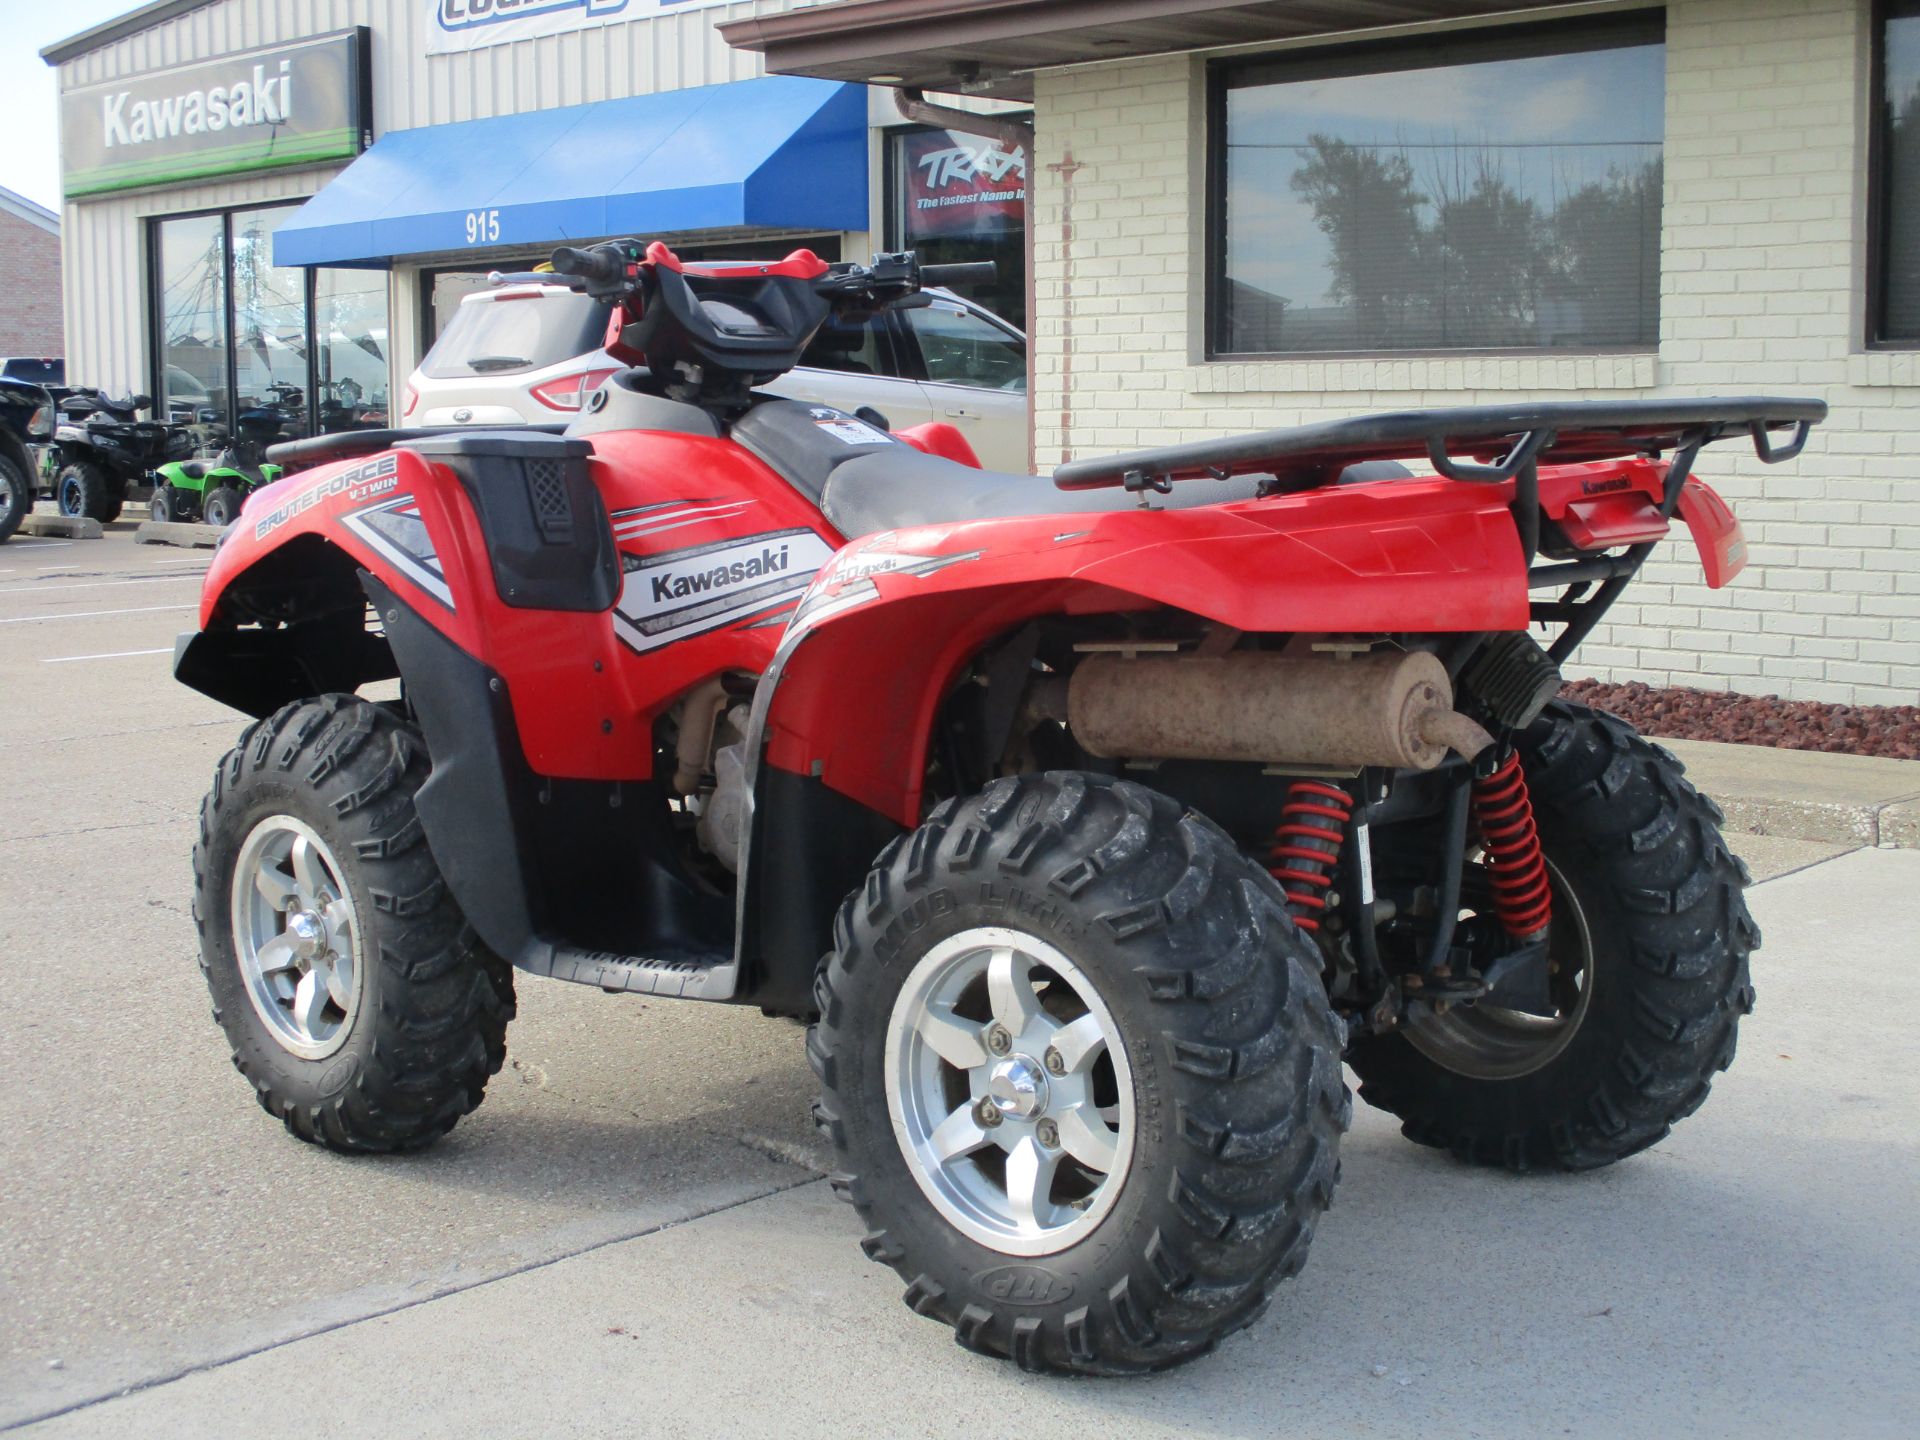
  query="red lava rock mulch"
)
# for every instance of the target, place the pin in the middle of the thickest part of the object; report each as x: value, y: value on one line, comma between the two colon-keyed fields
x: 1892, y: 731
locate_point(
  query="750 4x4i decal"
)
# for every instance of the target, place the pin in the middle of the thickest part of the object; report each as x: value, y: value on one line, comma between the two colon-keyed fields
x: 678, y: 593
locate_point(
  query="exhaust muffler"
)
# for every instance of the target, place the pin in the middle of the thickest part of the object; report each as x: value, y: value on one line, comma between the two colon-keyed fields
x: 1388, y: 708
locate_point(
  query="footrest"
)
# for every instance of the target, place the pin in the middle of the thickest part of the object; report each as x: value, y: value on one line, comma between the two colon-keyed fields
x: 686, y: 977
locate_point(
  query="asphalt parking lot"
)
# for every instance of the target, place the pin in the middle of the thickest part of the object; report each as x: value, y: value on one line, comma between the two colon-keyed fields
x: 633, y: 1232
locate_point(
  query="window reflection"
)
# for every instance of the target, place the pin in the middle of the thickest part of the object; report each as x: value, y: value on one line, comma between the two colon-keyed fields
x: 1901, y: 173
x: 1495, y: 203
x: 350, y: 349
x: 191, y: 388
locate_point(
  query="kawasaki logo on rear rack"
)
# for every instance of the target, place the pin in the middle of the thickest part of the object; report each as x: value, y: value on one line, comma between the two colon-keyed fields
x: 679, y: 593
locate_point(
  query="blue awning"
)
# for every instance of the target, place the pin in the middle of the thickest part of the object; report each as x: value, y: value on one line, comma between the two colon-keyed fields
x: 782, y: 152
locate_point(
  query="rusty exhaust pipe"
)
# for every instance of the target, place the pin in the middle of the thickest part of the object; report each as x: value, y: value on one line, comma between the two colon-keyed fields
x: 1388, y: 708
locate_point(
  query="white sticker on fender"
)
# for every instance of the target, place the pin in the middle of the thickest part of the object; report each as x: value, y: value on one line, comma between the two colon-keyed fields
x: 679, y: 593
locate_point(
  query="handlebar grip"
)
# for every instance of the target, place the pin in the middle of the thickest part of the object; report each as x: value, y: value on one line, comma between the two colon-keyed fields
x: 594, y: 266
x: 975, y: 272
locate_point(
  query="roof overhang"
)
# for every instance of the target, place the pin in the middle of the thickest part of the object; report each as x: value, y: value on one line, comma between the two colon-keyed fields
x: 992, y: 47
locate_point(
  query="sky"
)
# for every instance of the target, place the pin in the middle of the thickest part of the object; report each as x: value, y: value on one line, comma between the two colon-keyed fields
x: 30, y: 158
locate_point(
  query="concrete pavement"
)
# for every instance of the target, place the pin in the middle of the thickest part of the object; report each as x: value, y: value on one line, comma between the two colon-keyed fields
x: 1753, y: 1275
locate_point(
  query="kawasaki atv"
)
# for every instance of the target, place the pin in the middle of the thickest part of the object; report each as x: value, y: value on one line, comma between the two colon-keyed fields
x: 105, y: 447
x: 213, y: 491
x: 1092, y: 823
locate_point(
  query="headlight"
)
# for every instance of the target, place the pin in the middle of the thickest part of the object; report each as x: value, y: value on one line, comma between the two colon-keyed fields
x: 40, y: 423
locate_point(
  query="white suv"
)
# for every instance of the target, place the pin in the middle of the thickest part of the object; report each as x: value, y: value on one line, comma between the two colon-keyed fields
x: 526, y: 353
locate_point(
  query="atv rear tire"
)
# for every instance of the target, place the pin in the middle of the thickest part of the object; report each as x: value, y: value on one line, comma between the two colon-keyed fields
x: 354, y: 995
x: 221, y: 507
x: 82, y: 488
x: 1648, y: 895
x: 16, y: 496
x: 160, y: 508
x: 1176, y: 1164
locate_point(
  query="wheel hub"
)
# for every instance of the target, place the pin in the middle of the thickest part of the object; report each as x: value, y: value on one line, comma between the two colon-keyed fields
x: 1018, y: 1088
x: 1010, y: 1091
x: 296, y: 937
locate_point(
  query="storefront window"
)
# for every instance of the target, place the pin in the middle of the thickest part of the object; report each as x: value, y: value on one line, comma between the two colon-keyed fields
x: 1493, y: 192
x: 269, y: 324
x: 1898, y: 318
x: 190, y: 291
x: 958, y: 199
x: 237, y: 335
x: 350, y: 349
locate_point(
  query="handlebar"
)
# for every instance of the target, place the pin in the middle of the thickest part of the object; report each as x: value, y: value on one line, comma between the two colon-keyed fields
x: 602, y: 265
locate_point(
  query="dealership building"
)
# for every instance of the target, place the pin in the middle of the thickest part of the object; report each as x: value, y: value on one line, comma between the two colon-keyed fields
x: 280, y: 202
x: 1225, y: 217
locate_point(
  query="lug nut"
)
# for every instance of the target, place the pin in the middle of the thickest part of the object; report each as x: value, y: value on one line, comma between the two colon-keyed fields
x: 987, y: 1113
x: 1048, y: 1134
x: 1056, y: 1063
x: 998, y: 1040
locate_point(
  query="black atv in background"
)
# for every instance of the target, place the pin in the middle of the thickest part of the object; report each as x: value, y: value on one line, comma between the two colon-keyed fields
x: 105, y: 447
x: 26, y: 420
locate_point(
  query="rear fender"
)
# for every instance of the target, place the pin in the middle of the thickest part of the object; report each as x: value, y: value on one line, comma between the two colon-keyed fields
x: 895, y: 616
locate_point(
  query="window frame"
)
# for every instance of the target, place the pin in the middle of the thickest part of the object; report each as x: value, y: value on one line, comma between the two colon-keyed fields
x: 1879, y: 247
x: 156, y: 295
x: 1384, y: 57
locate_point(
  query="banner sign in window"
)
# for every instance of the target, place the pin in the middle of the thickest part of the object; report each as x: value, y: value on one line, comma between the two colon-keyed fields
x: 299, y: 104
x: 959, y: 184
x: 458, y: 25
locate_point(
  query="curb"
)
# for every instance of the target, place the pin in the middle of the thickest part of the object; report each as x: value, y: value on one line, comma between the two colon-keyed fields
x: 1895, y: 825
x: 177, y: 532
x: 1848, y: 800
x: 65, y: 527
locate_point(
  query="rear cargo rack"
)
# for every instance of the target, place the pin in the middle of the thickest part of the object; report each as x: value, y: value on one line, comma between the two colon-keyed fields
x: 1488, y: 444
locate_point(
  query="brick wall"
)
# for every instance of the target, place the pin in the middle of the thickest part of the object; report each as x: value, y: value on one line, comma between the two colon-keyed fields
x: 1762, y: 277
x: 29, y: 289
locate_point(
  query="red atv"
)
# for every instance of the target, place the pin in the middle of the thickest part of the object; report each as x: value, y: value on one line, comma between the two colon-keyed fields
x: 1122, y: 808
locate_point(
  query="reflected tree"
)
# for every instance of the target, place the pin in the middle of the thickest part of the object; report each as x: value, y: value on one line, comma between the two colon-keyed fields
x: 1365, y: 203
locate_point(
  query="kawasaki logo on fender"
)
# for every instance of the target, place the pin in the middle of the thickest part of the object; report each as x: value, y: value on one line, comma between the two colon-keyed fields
x: 678, y: 587
x: 679, y: 593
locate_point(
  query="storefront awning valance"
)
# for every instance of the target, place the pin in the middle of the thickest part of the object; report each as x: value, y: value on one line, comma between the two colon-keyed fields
x: 780, y: 152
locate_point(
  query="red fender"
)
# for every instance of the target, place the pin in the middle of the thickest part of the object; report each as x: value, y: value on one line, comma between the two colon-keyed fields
x: 895, y: 616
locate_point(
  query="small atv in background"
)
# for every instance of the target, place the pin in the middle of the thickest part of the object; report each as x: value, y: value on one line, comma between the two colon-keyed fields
x: 212, y: 491
x: 1092, y: 822
x: 105, y: 448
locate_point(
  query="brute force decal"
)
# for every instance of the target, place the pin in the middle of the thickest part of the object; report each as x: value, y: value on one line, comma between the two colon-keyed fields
x: 679, y: 593
x: 394, y: 529
x: 850, y: 581
x: 382, y: 468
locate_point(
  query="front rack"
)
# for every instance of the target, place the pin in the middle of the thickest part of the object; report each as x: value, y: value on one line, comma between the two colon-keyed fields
x: 1487, y: 444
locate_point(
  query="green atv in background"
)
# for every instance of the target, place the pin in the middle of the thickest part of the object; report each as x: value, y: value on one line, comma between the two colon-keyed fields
x: 212, y: 491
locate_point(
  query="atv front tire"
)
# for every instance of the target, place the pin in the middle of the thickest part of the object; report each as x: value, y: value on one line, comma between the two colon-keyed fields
x: 83, y: 488
x: 1651, y: 934
x: 1080, y: 1075
x: 354, y: 995
x: 221, y: 507
x: 16, y: 496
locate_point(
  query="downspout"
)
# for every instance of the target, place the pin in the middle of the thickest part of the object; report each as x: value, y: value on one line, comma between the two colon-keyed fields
x: 912, y: 103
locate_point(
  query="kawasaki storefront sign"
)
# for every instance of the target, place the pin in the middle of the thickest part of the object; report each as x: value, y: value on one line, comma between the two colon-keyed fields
x: 298, y: 104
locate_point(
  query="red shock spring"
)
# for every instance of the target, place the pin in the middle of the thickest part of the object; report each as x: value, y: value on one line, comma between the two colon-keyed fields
x: 1522, y: 894
x: 1313, y: 825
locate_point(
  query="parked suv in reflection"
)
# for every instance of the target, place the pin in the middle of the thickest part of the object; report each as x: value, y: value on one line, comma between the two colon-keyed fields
x: 522, y: 354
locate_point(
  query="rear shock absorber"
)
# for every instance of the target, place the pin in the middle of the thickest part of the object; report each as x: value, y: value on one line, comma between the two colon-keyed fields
x: 1306, y: 847
x: 1522, y: 894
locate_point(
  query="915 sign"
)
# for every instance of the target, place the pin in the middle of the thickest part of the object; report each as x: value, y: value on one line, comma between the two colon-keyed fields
x: 483, y: 226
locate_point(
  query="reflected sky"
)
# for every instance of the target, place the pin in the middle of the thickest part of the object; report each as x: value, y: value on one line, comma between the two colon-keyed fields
x: 1551, y: 124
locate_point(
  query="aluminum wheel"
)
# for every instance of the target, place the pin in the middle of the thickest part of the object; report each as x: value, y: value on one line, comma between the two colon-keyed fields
x: 1009, y: 1091
x: 1490, y: 1042
x: 297, y: 936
